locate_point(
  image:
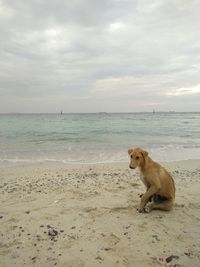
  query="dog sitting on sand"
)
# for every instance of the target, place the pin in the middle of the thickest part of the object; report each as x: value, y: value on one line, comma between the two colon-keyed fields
x: 159, y: 184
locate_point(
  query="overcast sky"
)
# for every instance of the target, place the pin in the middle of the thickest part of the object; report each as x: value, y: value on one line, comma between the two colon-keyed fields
x: 99, y: 55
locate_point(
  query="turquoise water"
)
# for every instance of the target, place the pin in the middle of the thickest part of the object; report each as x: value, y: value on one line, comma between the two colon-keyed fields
x: 91, y: 138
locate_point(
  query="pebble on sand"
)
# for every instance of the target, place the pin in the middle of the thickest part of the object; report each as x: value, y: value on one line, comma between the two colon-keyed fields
x: 170, y: 258
x: 52, y: 232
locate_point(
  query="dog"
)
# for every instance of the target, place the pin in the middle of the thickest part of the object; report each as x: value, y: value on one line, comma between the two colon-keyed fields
x: 160, y: 186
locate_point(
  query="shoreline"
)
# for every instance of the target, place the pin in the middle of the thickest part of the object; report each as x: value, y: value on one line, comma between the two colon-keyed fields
x: 93, y: 208
x: 22, y: 163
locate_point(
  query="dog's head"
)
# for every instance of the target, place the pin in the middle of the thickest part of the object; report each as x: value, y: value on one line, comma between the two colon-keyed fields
x: 137, y: 157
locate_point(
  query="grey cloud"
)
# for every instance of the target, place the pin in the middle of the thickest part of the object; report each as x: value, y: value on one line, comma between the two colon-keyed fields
x: 64, y: 49
x: 46, y: 12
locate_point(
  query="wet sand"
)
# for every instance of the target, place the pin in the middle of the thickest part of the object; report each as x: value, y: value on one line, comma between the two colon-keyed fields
x: 86, y: 215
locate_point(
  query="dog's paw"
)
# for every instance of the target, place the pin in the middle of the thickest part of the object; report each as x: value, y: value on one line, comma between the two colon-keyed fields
x: 143, y: 210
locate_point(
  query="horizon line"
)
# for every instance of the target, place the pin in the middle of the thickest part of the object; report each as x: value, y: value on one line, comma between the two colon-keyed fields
x: 100, y: 112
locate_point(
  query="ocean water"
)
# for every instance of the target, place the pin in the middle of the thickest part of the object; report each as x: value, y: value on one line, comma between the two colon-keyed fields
x: 94, y: 138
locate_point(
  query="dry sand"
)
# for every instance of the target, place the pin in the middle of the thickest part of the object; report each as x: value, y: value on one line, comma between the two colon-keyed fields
x: 94, y: 210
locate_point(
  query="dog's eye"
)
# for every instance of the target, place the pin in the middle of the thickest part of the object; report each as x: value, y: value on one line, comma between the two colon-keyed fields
x: 131, y: 156
x: 137, y: 157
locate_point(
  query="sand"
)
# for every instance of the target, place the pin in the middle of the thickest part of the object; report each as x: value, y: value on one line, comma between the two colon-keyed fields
x: 93, y: 208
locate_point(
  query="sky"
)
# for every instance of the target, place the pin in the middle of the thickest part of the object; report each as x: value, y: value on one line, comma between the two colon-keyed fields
x: 99, y: 55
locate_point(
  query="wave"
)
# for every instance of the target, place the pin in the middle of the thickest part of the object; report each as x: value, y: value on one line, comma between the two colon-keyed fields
x: 162, y: 154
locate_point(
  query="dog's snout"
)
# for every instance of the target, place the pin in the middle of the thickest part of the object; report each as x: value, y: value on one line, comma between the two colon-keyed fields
x: 131, y: 167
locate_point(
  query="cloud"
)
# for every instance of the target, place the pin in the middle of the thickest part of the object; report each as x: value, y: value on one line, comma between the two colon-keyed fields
x: 81, y: 53
x: 185, y: 91
x: 116, y: 26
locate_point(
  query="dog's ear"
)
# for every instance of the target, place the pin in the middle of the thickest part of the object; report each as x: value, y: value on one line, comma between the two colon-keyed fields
x: 144, y: 153
x: 130, y: 151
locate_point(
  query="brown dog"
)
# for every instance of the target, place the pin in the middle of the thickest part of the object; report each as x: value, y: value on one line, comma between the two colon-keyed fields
x: 159, y: 184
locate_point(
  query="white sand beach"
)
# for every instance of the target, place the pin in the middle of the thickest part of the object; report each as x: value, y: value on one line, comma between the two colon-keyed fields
x: 93, y: 208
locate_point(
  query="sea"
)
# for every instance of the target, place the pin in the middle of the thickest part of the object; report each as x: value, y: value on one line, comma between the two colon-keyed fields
x: 98, y: 138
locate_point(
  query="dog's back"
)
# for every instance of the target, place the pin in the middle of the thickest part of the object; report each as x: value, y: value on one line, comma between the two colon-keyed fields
x: 167, y: 183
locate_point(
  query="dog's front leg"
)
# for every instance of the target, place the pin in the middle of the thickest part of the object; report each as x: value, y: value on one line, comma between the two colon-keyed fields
x: 150, y: 199
x: 145, y: 198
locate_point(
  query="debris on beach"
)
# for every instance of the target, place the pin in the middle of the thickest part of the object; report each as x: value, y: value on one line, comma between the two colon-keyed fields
x: 170, y: 258
x: 52, y: 231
